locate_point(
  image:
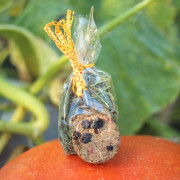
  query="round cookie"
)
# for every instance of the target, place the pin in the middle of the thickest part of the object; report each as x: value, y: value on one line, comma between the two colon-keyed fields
x: 95, y: 137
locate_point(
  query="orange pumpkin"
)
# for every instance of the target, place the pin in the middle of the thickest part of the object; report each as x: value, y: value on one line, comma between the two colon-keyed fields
x: 139, y: 158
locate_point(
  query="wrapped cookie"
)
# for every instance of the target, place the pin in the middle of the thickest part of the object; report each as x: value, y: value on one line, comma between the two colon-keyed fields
x: 87, y: 110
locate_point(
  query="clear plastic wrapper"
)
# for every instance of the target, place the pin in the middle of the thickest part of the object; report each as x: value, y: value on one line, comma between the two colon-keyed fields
x: 98, y: 97
x: 98, y: 100
x: 87, y: 110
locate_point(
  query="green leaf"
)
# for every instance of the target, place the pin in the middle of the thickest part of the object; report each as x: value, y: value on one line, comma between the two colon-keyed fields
x: 39, y: 13
x: 17, y: 8
x: 5, y: 4
x: 31, y: 55
x: 4, y: 52
x: 144, y: 70
x: 83, y: 7
x: 162, y: 13
x: 156, y: 127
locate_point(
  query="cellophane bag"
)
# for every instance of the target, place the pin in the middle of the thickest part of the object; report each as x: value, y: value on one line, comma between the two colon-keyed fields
x: 87, y: 124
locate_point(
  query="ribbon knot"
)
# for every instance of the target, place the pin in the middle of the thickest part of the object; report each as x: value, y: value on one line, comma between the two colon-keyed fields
x: 65, y: 43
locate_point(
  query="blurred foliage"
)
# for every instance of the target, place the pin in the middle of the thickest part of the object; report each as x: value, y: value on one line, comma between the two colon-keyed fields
x: 5, y: 4
x: 29, y: 54
x: 142, y: 54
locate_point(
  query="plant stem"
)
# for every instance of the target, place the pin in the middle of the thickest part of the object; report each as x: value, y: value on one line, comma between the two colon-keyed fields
x: 42, y: 80
x: 34, y: 89
x: 38, y: 140
x: 17, y: 116
x: 122, y: 17
x: 20, y: 111
x: 23, y: 98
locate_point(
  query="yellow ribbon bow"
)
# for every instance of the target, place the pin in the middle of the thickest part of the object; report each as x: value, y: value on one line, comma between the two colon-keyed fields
x: 65, y: 43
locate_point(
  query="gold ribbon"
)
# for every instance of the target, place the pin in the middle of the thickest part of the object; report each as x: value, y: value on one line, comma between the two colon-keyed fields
x: 65, y: 43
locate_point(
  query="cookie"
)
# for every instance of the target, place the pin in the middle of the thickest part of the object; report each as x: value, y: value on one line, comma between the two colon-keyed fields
x: 95, y: 137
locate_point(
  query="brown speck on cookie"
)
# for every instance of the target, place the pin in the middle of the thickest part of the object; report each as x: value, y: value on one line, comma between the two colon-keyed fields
x: 96, y: 131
